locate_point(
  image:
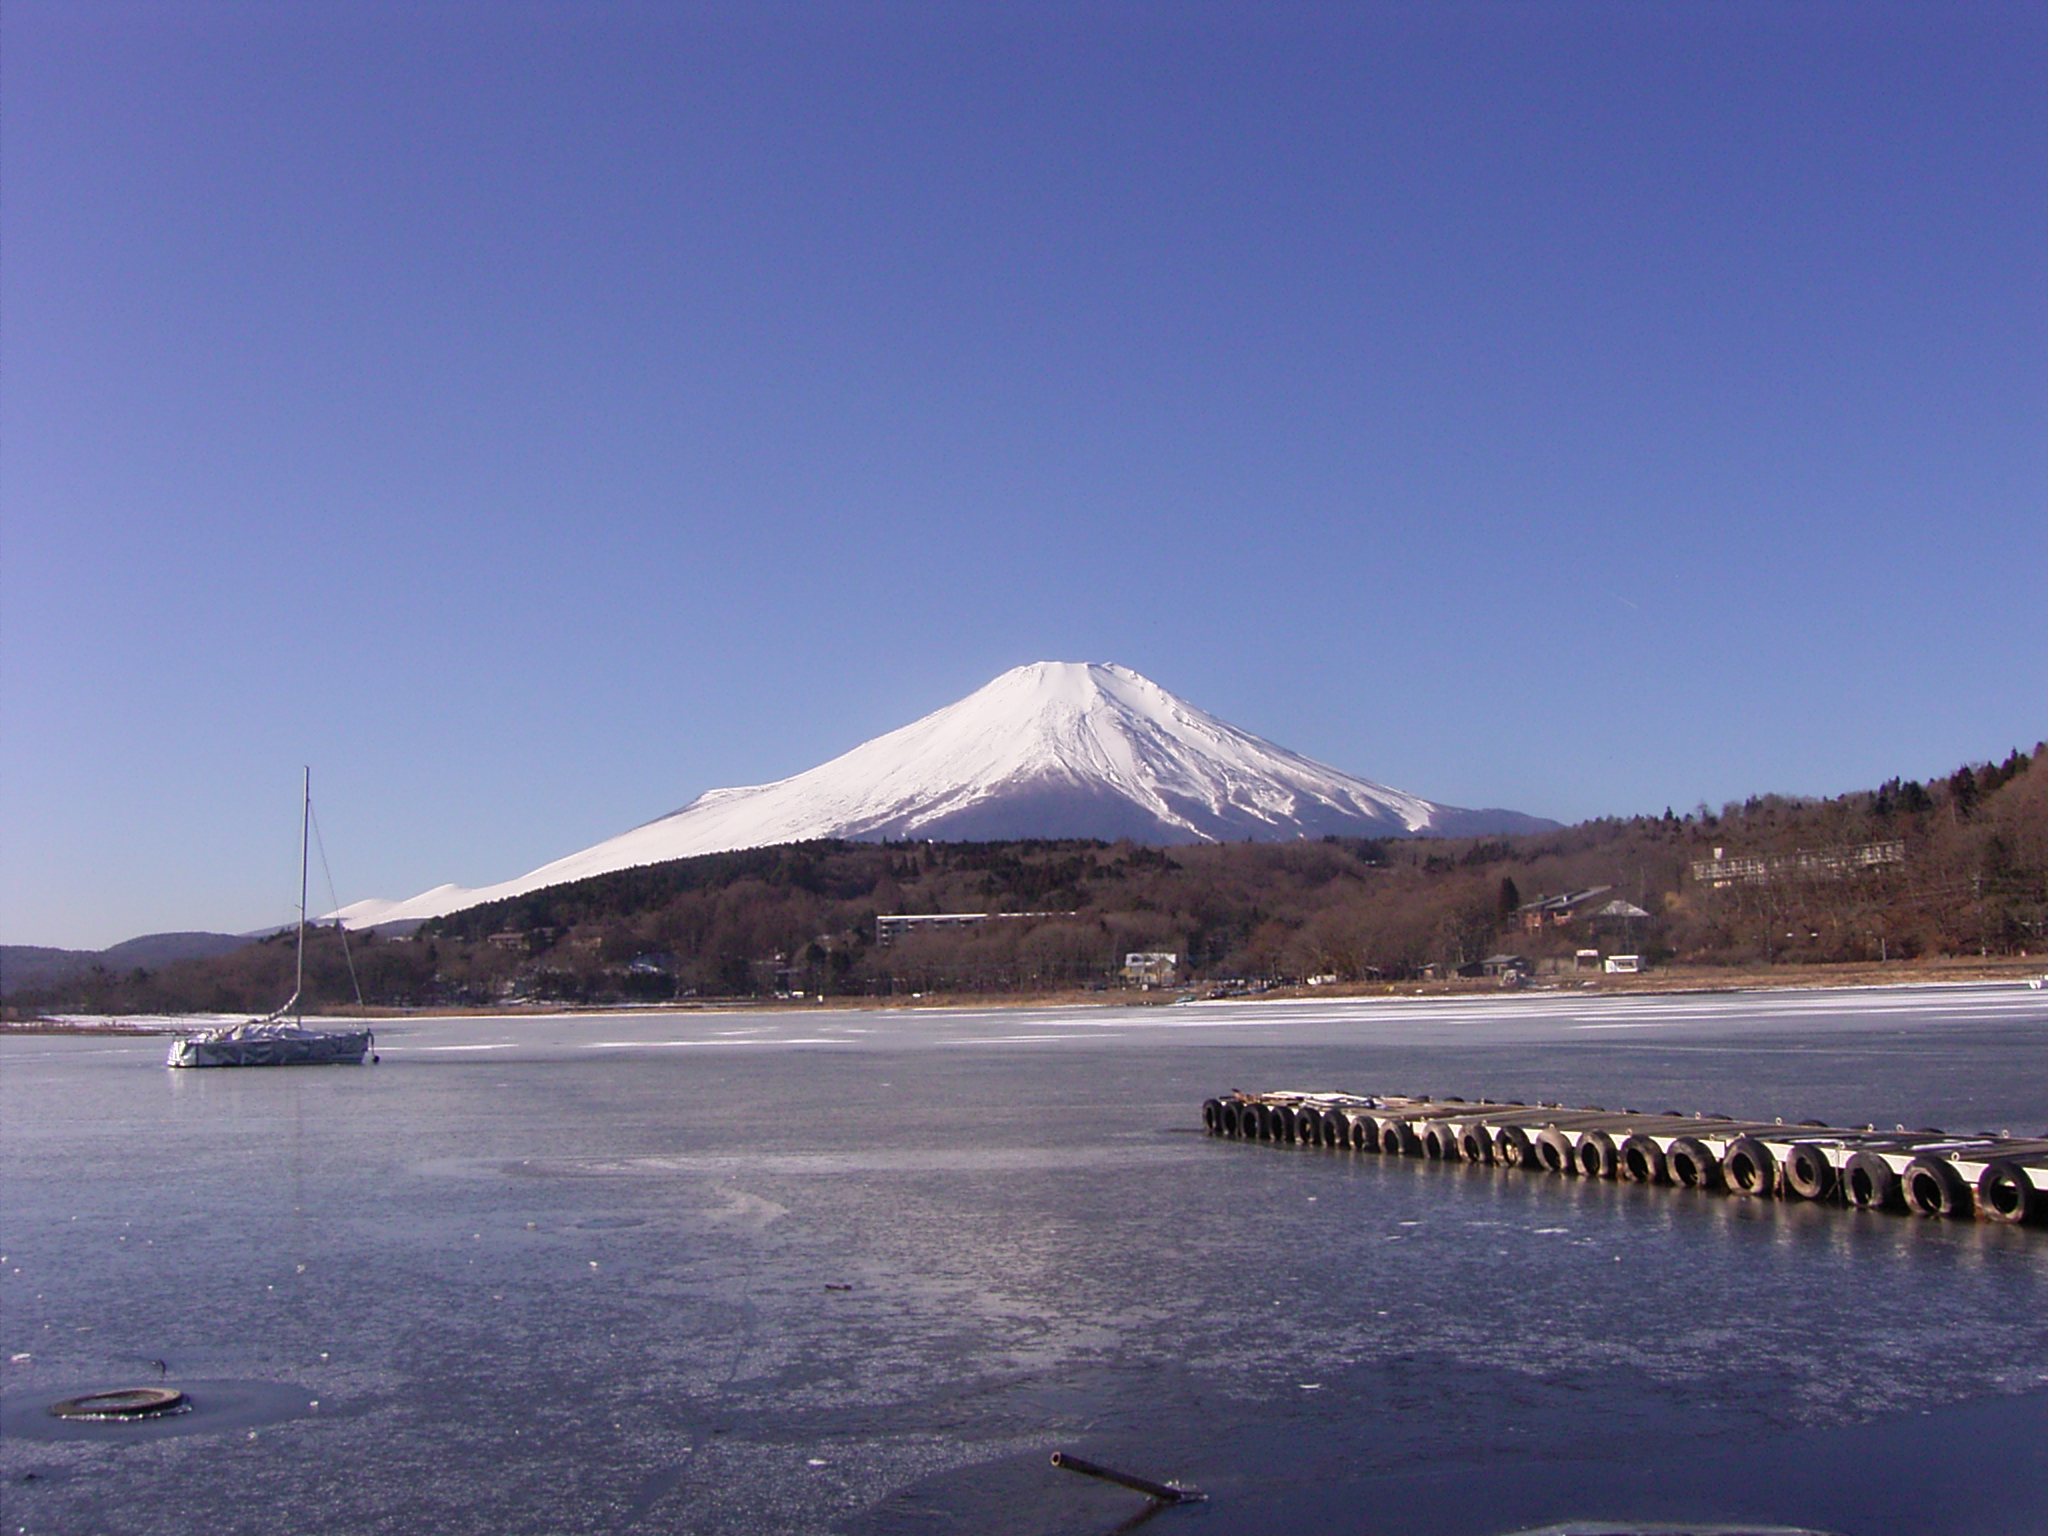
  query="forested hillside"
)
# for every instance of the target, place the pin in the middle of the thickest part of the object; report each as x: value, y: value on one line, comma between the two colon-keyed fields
x: 1957, y: 866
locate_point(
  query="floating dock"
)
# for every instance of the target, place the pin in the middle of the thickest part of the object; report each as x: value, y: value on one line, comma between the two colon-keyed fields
x: 2002, y: 1177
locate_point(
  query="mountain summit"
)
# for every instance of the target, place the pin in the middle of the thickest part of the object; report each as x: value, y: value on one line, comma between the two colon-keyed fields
x: 1054, y: 749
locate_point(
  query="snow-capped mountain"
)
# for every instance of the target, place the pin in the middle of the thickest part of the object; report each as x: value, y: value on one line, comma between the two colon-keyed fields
x: 1055, y: 749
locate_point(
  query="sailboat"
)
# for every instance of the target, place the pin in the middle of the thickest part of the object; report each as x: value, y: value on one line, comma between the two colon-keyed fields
x: 281, y: 1039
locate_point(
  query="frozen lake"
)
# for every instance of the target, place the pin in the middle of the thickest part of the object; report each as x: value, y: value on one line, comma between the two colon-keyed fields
x: 861, y: 1272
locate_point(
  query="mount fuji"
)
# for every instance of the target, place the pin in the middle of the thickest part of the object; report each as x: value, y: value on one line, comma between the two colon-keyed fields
x: 1054, y: 749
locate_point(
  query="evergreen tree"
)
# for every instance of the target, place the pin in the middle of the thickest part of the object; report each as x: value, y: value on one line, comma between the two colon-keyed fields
x: 1962, y: 791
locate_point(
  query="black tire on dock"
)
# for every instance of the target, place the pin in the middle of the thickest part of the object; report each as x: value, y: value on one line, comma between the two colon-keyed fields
x: 1474, y: 1145
x: 1212, y: 1116
x: 1596, y: 1155
x: 1440, y: 1141
x: 1396, y: 1140
x: 1308, y: 1126
x: 1336, y: 1129
x: 1691, y: 1164
x: 1868, y: 1182
x: 1750, y: 1167
x: 1283, y: 1122
x: 1808, y: 1173
x: 1934, y: 1187
x: 1555, y: 1152
x: 1257, y: 1121
x: 1642, y: 1162
x: 1365, y: 1133
x: 1513, y: 1148
x: 2006, y: 1192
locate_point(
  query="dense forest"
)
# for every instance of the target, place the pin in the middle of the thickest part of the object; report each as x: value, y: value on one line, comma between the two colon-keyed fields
x: 1908, y: 870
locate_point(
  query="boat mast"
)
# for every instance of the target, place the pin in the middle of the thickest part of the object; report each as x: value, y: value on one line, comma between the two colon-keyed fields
x: 305, y: 826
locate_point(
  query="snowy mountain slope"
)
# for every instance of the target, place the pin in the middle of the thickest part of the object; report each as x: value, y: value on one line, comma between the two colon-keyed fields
x: 1055, y: 749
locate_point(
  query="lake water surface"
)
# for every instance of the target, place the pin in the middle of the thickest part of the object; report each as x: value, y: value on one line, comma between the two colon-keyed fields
x: 861, y: 1272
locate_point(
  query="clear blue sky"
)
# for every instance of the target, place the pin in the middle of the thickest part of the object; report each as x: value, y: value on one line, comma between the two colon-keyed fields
x: 532, y: 415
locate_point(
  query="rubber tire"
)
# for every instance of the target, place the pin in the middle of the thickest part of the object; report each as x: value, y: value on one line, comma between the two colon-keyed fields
x: 124, y: 1403
x: 1750, y: 1168
x: 1869, y: 1184
x: 1513, y: 1149
x: 1692, y: 1165
x: 1555, y: 1152
x: 1808, y: 1173
x: 1336, y: 1129
x: 2006, y: 1192
x: 1934, y: 1187
x: 1440, y: 1141
x: 1474, y: 1145
x: 1641, y: 1161
x: 1212, y: 1116
x: 1396, y: 1140
x: 1365, y: 1133
x: 1308, y: 1126
x: 1596, y: 1156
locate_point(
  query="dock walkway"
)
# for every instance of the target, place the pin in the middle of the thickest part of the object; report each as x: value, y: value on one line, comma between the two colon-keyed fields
x: 1994, y: 1177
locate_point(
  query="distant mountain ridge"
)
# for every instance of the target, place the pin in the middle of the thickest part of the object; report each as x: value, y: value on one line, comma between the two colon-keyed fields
x: 1053, y: 749
x: 33, y: 965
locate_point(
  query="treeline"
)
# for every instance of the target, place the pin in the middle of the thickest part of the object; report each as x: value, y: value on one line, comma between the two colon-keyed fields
x: 1955, y: 866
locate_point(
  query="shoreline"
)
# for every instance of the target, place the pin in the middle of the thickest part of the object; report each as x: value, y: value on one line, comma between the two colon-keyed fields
x: 1671, y: 980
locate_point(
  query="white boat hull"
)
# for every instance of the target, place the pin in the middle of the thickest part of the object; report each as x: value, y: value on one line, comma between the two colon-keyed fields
x: 268, y: 1048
